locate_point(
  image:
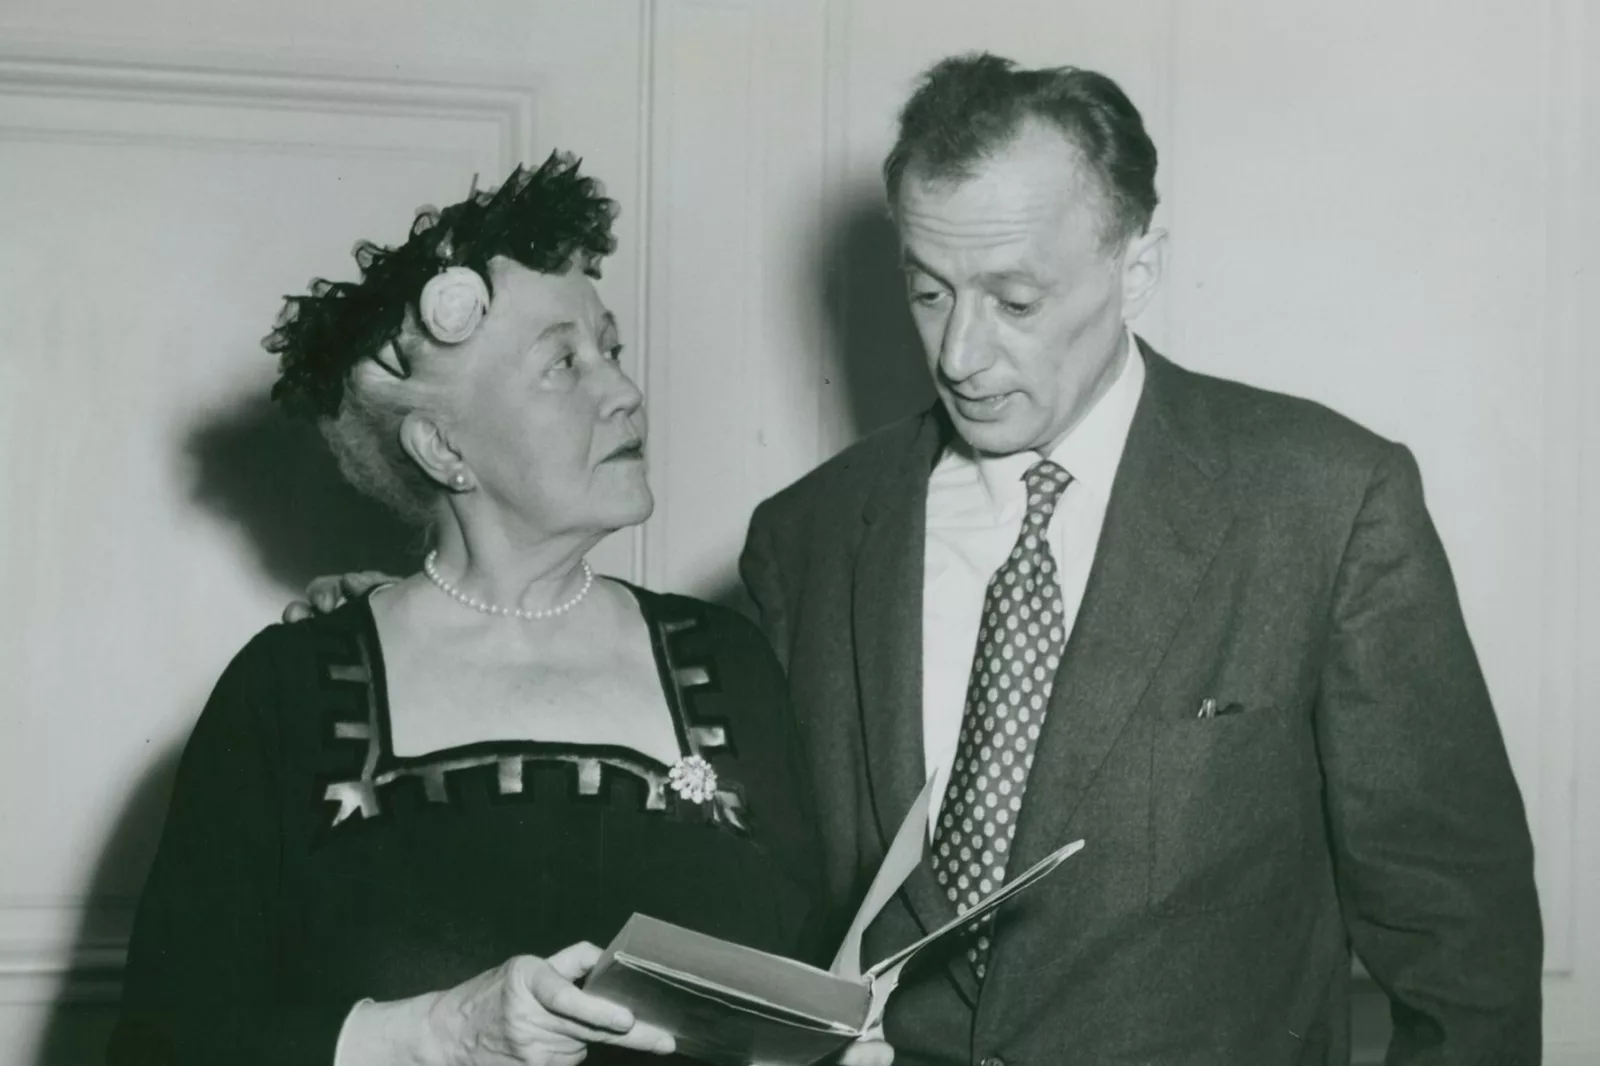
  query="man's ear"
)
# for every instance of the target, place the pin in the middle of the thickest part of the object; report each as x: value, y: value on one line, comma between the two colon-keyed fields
x: 1143, y: 262
x: 431, y: 450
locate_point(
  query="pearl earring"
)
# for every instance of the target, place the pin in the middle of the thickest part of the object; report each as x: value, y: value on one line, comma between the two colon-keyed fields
x: 459, y: 481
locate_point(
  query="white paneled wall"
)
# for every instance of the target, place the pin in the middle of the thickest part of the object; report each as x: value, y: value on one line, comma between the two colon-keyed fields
x: 1381, y: 205
x: 167, y: 172
x: 145, y: 199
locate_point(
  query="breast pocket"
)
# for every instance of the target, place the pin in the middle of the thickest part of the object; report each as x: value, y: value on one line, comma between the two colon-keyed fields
x: 1234, y: 808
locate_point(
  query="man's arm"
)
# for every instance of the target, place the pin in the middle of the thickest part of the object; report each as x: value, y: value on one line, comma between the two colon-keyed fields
x: 1431, y: 845
x: 758, y: 569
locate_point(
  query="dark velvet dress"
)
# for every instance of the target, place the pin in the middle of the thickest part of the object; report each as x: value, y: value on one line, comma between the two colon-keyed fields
x: 304, y: 866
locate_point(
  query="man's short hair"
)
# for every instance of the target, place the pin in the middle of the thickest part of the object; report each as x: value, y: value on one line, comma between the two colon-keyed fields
x: 967, y: 107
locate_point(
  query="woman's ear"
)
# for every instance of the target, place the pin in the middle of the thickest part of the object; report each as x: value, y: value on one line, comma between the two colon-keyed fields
x: 431, y: 450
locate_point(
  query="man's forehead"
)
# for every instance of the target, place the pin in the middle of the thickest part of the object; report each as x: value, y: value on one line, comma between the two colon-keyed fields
x: 1038, y: 179
x: 994, y: 232
x: 976, y: 209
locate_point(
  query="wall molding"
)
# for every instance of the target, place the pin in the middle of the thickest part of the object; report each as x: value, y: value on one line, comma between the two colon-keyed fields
x: 702, y: 293
x: 511, y: 109
x: 1563, y: 621
x: 70, y: 948
x: 643, y: 214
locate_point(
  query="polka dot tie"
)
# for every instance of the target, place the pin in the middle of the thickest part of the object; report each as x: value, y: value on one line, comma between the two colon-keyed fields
x: 1020, y: 639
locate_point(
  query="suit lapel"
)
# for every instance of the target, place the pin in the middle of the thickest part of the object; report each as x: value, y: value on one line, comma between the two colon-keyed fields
x: 887, y: 617
x: 1169, y: 509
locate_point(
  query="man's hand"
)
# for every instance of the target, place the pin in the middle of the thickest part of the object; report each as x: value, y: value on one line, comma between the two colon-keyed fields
x: 326, y: 593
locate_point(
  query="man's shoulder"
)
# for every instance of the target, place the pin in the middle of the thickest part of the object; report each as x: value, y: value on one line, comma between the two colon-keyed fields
x: 1264, y: 426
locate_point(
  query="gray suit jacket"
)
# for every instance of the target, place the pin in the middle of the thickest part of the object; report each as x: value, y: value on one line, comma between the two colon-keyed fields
x: 1257, y: 549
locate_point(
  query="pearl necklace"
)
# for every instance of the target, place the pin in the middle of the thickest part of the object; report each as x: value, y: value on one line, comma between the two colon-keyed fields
x: 429, y: 568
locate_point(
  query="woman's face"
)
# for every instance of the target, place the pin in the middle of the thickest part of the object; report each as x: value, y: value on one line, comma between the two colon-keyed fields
x: 542, y: 413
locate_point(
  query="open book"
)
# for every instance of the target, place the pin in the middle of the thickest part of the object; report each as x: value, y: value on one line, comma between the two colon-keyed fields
x: 733, y: 1005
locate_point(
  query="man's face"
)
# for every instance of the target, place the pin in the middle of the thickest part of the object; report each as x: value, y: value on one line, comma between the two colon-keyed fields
x: 1017, y: 296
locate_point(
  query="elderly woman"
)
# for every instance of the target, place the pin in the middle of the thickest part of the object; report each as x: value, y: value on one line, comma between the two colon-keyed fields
x: 398, y: 830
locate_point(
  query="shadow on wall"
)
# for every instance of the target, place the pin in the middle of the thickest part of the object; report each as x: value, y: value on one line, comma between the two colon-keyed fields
x: 273, y: 478
x: 872, y: 365
x: 79, y: 1021
x: 876, y: 367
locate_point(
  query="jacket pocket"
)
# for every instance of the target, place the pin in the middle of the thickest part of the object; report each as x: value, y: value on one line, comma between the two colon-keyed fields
x: 1233, y: 808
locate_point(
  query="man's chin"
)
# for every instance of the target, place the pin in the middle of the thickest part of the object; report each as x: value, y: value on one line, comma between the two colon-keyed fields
x: 992, y: 438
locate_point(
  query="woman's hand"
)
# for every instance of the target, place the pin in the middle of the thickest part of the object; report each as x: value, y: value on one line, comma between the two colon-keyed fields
x: 530, y: 1011
x: 527, y: 1012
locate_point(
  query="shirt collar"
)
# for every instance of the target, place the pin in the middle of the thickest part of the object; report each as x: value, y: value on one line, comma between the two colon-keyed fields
x: 1091, y: 450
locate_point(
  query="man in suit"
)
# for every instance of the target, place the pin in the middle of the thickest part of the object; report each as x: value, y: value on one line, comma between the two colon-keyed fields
x: 1209, y: 629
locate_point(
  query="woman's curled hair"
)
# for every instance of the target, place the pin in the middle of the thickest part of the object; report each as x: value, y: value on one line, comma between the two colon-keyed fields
x: 544, y: 219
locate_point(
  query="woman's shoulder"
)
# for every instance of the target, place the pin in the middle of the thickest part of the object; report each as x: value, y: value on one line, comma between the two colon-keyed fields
x: 287, y: 667
x: 255, y: 708
x: 679, y: 613
x: 704, y: 638
x: 287, y: 645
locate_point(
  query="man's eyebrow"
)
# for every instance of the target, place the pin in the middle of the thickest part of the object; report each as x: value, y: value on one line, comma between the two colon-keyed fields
x: 1011, y: 275
x: 909, y: 261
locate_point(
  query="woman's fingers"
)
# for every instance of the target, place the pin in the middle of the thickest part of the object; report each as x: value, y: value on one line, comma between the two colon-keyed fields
x: 560, y: 998
x: 575, y: 960
x: 574, y: 1013
x: 643, y: 1037
x: 565, y: 1000
x: 640, y: 1037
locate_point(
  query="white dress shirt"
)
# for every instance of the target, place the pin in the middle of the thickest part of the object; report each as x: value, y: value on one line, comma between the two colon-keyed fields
x: 975, y: 510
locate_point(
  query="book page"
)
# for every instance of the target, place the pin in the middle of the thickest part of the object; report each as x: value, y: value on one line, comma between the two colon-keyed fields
x: 904, y: 853
x: 736, y: 998
x: 979, y: 909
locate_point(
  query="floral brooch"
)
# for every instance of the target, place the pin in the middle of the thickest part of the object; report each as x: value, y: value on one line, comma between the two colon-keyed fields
x: 695, y: 780
x: 453, y: 302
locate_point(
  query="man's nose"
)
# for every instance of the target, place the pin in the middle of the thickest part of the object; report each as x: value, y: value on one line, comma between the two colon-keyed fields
x: 967, y: 342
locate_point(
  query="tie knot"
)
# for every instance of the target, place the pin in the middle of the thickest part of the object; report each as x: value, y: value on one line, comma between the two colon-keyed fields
x: 1046, y: 481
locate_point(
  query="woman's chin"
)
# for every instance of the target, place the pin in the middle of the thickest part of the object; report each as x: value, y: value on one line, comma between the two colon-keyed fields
x: 631, y: 508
